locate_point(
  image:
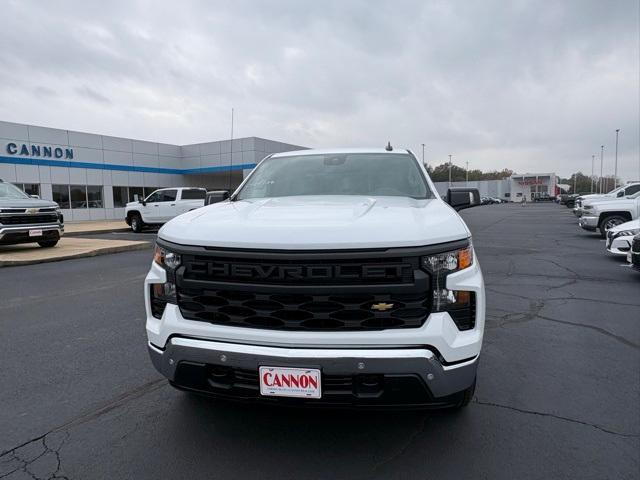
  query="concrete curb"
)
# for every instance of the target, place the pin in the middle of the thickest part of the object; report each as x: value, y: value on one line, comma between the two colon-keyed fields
x: 90, y: 253
x: 95, y: 232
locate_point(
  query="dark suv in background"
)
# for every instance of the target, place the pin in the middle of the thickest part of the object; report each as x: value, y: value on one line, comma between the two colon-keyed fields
x: 27, y: 219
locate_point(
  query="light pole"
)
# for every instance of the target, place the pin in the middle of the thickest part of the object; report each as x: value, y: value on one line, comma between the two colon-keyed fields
x: 423, y: 156
x: 601, y: 160
x: 449, y: 170
x: 593, y: 160
x: 615, y: 171
x: 467, y: 173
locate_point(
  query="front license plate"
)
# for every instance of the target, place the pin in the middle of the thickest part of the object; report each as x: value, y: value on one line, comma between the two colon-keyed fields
x: 290, y: 382
x: 35, y: 233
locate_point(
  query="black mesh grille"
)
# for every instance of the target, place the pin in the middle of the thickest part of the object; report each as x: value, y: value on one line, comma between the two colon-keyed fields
x: 29, y: 219
x: 284, y: 311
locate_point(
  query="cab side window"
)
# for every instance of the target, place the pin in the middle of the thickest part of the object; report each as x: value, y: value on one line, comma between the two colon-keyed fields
x: 168, y: 195
x: 193, y: 194
x: 632, y: 189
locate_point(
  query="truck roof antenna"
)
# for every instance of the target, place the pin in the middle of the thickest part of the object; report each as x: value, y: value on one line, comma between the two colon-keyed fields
x: 388, y: 148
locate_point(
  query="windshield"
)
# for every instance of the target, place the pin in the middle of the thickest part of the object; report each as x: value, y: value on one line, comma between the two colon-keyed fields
x: 371, y: 174
x: 8, y: 190
x: 616, y: 190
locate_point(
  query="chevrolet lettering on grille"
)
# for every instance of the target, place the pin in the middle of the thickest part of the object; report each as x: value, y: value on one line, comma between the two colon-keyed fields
x: 311, y: 273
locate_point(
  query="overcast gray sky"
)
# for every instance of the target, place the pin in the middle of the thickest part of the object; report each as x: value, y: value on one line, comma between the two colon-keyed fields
x: 527, y: 85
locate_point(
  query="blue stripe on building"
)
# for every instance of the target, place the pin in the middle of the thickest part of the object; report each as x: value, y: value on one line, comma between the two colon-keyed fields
x: 123, y: 168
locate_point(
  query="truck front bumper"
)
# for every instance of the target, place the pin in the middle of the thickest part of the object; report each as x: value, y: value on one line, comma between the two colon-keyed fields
x: 12, y: 234
x: 410, y: 377
x: 588, y: 222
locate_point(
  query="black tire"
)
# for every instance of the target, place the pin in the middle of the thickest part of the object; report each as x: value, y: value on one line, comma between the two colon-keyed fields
x: 610, y: 221
x: 466, y: 396
x: 136, y: 222
x: 48, y: 243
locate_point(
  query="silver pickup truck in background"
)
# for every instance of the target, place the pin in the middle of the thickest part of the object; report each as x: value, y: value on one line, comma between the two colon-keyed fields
x: 28, y: 219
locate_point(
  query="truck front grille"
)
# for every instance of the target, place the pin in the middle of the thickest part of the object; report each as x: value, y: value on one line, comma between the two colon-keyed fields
x: 306, y: 271
x: 39, y: 218
x: 285, y: 311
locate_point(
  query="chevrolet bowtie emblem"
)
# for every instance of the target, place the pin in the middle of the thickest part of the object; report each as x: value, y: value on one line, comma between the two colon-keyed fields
x: 382, y: 306
x: 31, y: 211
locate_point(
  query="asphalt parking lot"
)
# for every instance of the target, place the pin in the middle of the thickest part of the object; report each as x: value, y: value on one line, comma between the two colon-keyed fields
x: 558, y: 393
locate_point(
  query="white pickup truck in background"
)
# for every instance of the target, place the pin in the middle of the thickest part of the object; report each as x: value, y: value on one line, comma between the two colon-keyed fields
x: 163, y: 205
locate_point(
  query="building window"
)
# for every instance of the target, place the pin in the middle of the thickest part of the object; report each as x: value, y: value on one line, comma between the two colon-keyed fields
x: 29, y: 188
x: 120, y: 197
x: 94, y: 196
x: 61, y: 195
x: 78, y: 196
x: 133, y: 191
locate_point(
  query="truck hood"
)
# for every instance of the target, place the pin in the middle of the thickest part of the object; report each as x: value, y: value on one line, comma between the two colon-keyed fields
x: 591, y: 196
x: 318, y: 222
x: 601, y: 199
x: 26, y: 203
x: 619, y: 203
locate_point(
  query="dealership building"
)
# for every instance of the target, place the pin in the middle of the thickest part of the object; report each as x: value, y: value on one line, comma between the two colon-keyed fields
x: 93, y: 176
x: 529, y: 185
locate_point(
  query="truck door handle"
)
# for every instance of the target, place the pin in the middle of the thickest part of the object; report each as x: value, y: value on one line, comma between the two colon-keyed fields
x: 173, y: 204
x: 156, y: 205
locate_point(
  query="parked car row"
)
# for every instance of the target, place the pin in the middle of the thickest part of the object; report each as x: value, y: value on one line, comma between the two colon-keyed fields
x: 616, y: 217
x: 491, y: 200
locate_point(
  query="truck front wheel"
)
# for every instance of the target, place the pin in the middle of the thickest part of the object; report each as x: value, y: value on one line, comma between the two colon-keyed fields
x: 610, y: 221
x: 136, y: 222
x: 48, y: 243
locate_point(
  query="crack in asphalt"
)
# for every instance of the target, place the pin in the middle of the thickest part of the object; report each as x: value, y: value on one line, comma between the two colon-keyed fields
x: 547, y: 276
x: 570, y: 297
x: 558, y: 417
x: 603, y: 331
x: 26, y: 463
x: 536, y: 305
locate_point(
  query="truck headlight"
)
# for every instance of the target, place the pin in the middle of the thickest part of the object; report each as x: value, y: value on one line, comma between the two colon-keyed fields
x: 161, y: 294
x: 441, y: 264
x: 459, y: 303
x: 166, y: 258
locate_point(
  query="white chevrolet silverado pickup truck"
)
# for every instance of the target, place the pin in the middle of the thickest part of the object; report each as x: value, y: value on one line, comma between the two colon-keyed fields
x: 330, y: 277
x: 163, y: 205
x: 607, y: 213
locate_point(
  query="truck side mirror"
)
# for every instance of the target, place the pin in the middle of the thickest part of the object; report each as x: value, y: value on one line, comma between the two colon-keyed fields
x: 462, y: 197
x: 35, y: 196
x: 225, y: 195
